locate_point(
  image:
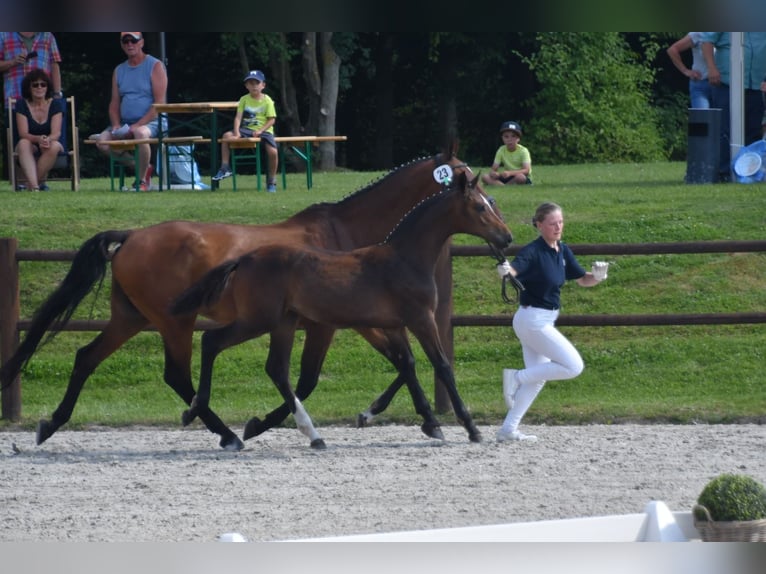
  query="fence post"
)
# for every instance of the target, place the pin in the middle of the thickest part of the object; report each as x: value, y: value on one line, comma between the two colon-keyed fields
x: 443, y: 279
x: 9, y: 320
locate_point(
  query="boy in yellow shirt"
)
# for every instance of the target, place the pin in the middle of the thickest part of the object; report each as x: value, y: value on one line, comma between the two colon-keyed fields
x: 512, y: 163
x: 255, y: 117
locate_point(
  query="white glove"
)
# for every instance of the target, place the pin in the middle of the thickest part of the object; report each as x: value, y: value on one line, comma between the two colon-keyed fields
x: 503, y: 268
x: 599, y: 270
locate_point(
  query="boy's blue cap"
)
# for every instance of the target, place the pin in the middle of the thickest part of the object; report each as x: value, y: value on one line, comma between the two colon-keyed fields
x: 513, y: 126
x: 255, y: 75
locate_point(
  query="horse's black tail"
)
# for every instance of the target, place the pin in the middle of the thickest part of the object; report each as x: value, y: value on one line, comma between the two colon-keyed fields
x: 205, y: 292
x: 88, y: 267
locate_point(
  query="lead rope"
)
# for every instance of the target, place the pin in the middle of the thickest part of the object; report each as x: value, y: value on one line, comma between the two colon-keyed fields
x: 518, y: 286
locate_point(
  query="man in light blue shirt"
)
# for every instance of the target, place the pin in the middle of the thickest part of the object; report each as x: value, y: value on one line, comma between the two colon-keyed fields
x: 716, y: 47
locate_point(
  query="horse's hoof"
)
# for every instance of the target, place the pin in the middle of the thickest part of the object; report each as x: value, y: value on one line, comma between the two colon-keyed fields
x: 318, y: 444
x: 475, y: 436
x: 361, y: 421
x: 44, y: 431
x: 252, y: 428
x: 188, y: 416
x: 232, y: 443
x: 432, y: 430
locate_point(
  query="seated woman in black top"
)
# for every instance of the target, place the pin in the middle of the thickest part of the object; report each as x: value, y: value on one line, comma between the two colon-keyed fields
x: 39, y: 119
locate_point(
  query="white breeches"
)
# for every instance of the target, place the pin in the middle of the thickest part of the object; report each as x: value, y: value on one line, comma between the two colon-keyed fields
x: 548, y: 356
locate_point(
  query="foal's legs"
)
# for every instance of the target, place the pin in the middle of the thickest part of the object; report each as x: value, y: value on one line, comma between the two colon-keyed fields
x: 277, y: 366
x: 177, y: 375
x: 317, y: 342
x: 391, y: 344
x: 395, y: 346
x: 428, y: 336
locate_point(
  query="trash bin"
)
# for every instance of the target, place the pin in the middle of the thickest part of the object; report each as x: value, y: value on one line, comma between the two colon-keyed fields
x: 703, y: 152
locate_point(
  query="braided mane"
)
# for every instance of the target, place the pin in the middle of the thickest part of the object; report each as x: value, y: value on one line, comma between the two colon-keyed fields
x: 385, y: 176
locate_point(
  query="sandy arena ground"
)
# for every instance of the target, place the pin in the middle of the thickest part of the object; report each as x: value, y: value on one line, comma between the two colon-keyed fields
x: 141, y: 484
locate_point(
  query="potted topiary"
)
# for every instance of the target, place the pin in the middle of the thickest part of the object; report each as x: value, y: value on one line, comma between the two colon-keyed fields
x: 732, y: 508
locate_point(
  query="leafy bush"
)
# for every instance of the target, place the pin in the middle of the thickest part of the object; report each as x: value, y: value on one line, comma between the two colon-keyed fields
x: 733, y: 497
x: 594, y: 101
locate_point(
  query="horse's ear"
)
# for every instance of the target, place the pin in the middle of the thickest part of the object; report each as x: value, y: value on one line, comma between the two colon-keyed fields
x: 461, y: 180
x: 474, y: 183
x: 451, y: 145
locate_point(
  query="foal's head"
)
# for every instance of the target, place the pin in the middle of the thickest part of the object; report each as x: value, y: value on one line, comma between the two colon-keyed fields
x: 478, y: 213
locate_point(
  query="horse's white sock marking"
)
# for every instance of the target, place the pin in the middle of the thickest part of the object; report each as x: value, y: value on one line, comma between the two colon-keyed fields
x: 303, y: 420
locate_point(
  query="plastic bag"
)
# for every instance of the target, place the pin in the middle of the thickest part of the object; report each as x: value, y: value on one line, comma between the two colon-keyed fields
x: 183, y: 166
x: 749, y: 165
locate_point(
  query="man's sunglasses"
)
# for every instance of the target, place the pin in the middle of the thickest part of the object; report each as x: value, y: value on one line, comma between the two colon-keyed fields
x: 130, y: 40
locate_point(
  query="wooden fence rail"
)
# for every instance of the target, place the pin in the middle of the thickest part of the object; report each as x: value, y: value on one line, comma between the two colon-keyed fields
x: 11, y: 324
x: 659, y: 248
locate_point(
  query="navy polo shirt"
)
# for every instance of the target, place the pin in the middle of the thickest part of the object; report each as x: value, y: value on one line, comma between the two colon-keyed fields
x: 543, y: 270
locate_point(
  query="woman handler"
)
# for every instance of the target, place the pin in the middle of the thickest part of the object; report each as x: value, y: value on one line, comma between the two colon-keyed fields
x: 542, y: 266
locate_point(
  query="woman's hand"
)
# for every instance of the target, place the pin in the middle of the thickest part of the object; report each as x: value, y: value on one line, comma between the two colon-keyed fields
x: 504, y: 269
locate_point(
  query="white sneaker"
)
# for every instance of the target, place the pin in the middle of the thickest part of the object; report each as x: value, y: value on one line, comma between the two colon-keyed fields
x: 507, y: 436
x: 510, y: 386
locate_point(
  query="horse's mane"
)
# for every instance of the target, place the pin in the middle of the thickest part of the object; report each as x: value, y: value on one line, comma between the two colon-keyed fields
x: 384, y: 177
x: 323, y: 205
x: 408, y: 218
x: 438, y: 158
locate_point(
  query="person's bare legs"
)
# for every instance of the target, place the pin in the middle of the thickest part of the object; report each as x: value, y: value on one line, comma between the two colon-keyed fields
x: 127, y: 158
x: 271, y: 153
x: 26, y: 151
x: 144, y: 150
x: 123, y: 157
x: 46, y: 161
x: 225, y: 150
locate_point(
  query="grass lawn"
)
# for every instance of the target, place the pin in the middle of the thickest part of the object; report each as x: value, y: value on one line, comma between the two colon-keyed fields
x: 707, y: 373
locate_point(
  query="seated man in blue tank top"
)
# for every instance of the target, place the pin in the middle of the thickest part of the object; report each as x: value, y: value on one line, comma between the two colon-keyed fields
x: 137, y: 83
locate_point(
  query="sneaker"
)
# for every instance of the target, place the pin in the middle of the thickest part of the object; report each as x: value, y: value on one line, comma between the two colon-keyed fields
x: 510, y: 386
x: 44, y: 187
x: 223, y: 173
x: 145, y: 186
x: 509, y: 436
x: 271, y: 188
x: 21, y: 187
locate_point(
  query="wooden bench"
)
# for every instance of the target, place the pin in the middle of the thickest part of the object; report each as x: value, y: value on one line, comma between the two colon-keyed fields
x: 117, y: 147
x: 290, y: 141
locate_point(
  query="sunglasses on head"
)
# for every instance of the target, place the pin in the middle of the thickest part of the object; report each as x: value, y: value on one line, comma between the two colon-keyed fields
x: 39, y: 84
x: 130, y: 40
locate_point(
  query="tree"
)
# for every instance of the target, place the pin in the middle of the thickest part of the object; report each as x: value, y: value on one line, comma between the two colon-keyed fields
x: 593, y: 102
x: 581, y: 97
x: 322, y: 88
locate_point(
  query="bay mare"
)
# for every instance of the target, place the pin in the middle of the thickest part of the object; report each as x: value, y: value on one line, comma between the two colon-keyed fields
x: 389, y: 286
x: 153, y: 265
